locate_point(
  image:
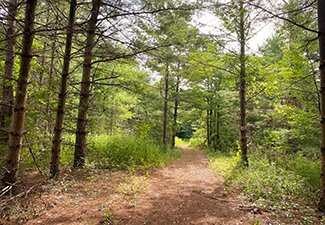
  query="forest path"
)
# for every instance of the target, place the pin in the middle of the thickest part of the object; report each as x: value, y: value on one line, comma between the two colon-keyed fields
x: 185, y: 192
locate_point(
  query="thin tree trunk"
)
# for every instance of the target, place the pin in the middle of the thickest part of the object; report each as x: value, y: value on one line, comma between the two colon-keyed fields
x: 210, y: 114
x: 42, y: 62
x: 321, y: 28
x: 80, y: 146
x: 214, y: 130
x: 48, y: 111
x: 242, y: 92
x: 176, y: 103
x: 17, y: 124
x: 7, y: 89
x: 165, y: 122
x: 56, y: 146
x: 208, y: 128
x: 218, y: 139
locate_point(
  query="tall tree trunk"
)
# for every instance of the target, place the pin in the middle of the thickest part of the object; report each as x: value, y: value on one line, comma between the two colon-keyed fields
x: 79, y: 153
x: 214, y: 129
x: 52, y: 74
x: 40, y: 79
x: 242, y: 91
x: 218, y: 139
x: 210, y: 114
x: 7, y: 89
x: 165, y: 119
x: 321, y: 28
x: 17, y: 124
x: 176, y: 103
x: 208, y: 128
x: 56, y: 143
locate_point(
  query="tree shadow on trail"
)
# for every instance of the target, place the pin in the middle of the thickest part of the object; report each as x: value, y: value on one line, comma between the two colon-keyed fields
x: 189, y: 204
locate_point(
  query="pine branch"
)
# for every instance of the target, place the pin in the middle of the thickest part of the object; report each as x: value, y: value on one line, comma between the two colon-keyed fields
x: 283, y: 18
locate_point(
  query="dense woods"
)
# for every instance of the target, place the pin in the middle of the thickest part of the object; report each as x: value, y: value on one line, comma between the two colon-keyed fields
x: 120, y: 84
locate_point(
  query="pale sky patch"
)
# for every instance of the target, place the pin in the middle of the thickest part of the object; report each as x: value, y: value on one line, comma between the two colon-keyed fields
x: 211, y: 24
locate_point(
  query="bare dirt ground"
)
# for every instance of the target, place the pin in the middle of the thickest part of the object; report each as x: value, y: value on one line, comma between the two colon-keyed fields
x: 185, y: 192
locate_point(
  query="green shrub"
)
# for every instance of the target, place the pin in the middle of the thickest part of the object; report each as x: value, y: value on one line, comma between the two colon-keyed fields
x: 307, y: 169
x: 67, y: 149
x: 126, y: 152
x: 179, y: 141
x: 103, y: 151
x: 293, y: 176
x: 197, y: 141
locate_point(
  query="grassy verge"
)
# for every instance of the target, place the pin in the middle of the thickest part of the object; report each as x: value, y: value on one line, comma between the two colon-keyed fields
x: 287, y: 187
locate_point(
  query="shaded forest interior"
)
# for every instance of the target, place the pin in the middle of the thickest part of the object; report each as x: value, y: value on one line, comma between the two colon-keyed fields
x: 120, y: 85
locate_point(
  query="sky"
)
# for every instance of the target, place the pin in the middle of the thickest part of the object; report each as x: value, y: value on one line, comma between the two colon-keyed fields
x: 208, y: 24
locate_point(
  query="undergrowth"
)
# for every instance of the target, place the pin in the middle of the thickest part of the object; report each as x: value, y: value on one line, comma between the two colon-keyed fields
x: 179, y: 141
x: 287, y: 186
x: 120, y: 152
x: 108, y: 152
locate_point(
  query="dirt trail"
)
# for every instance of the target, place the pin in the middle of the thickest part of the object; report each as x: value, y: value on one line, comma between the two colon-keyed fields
x: 185, y: 192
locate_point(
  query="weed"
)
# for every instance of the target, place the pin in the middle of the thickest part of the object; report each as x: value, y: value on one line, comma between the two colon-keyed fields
x: 197, y: 142
x: 120, y: 152
x: 179, y: 141
x: 132, y: 185
x: 108, y: 152
x: 286, y: 185
x: 108, y: 217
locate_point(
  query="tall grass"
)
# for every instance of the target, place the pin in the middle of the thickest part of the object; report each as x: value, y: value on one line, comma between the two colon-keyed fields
x: 286, y: 187
x: 196, y: 142
x: 127, y: 152
x: 289, y: 177
x: 179, y: 141
x: 109, y: 152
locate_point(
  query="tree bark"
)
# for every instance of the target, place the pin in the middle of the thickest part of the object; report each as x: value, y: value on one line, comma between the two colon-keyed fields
x: 165, y: 119
x: 17, y: 124
x: 321, y: 28
x: 209, y: 121
x: 52, y: 74
x: 80, y: 146
x: 208, y: 128
x: 214, y: 129
x: 242, y: 91
x: 176, y: 103
x: 9, y: 57
x: 218, y: 138
x: 210, y: 115
x: 56, y: 142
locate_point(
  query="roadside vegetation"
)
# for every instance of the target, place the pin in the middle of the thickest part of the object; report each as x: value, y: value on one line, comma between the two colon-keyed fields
x: 285, y: 187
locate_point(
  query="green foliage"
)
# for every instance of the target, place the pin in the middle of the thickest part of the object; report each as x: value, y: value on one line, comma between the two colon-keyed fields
x: 307, y: 169
x: 271, y: 182
x: 179, y: 141
x: 108, y: 217
x: 104, y: 151
x: 3, y: 154
x: 184, y: 131
x: 127, y: 152
x: 286, y: 187
x: 196, y: 141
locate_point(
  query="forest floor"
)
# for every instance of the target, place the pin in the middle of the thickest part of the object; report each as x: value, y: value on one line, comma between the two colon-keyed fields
x: 184, y: 192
